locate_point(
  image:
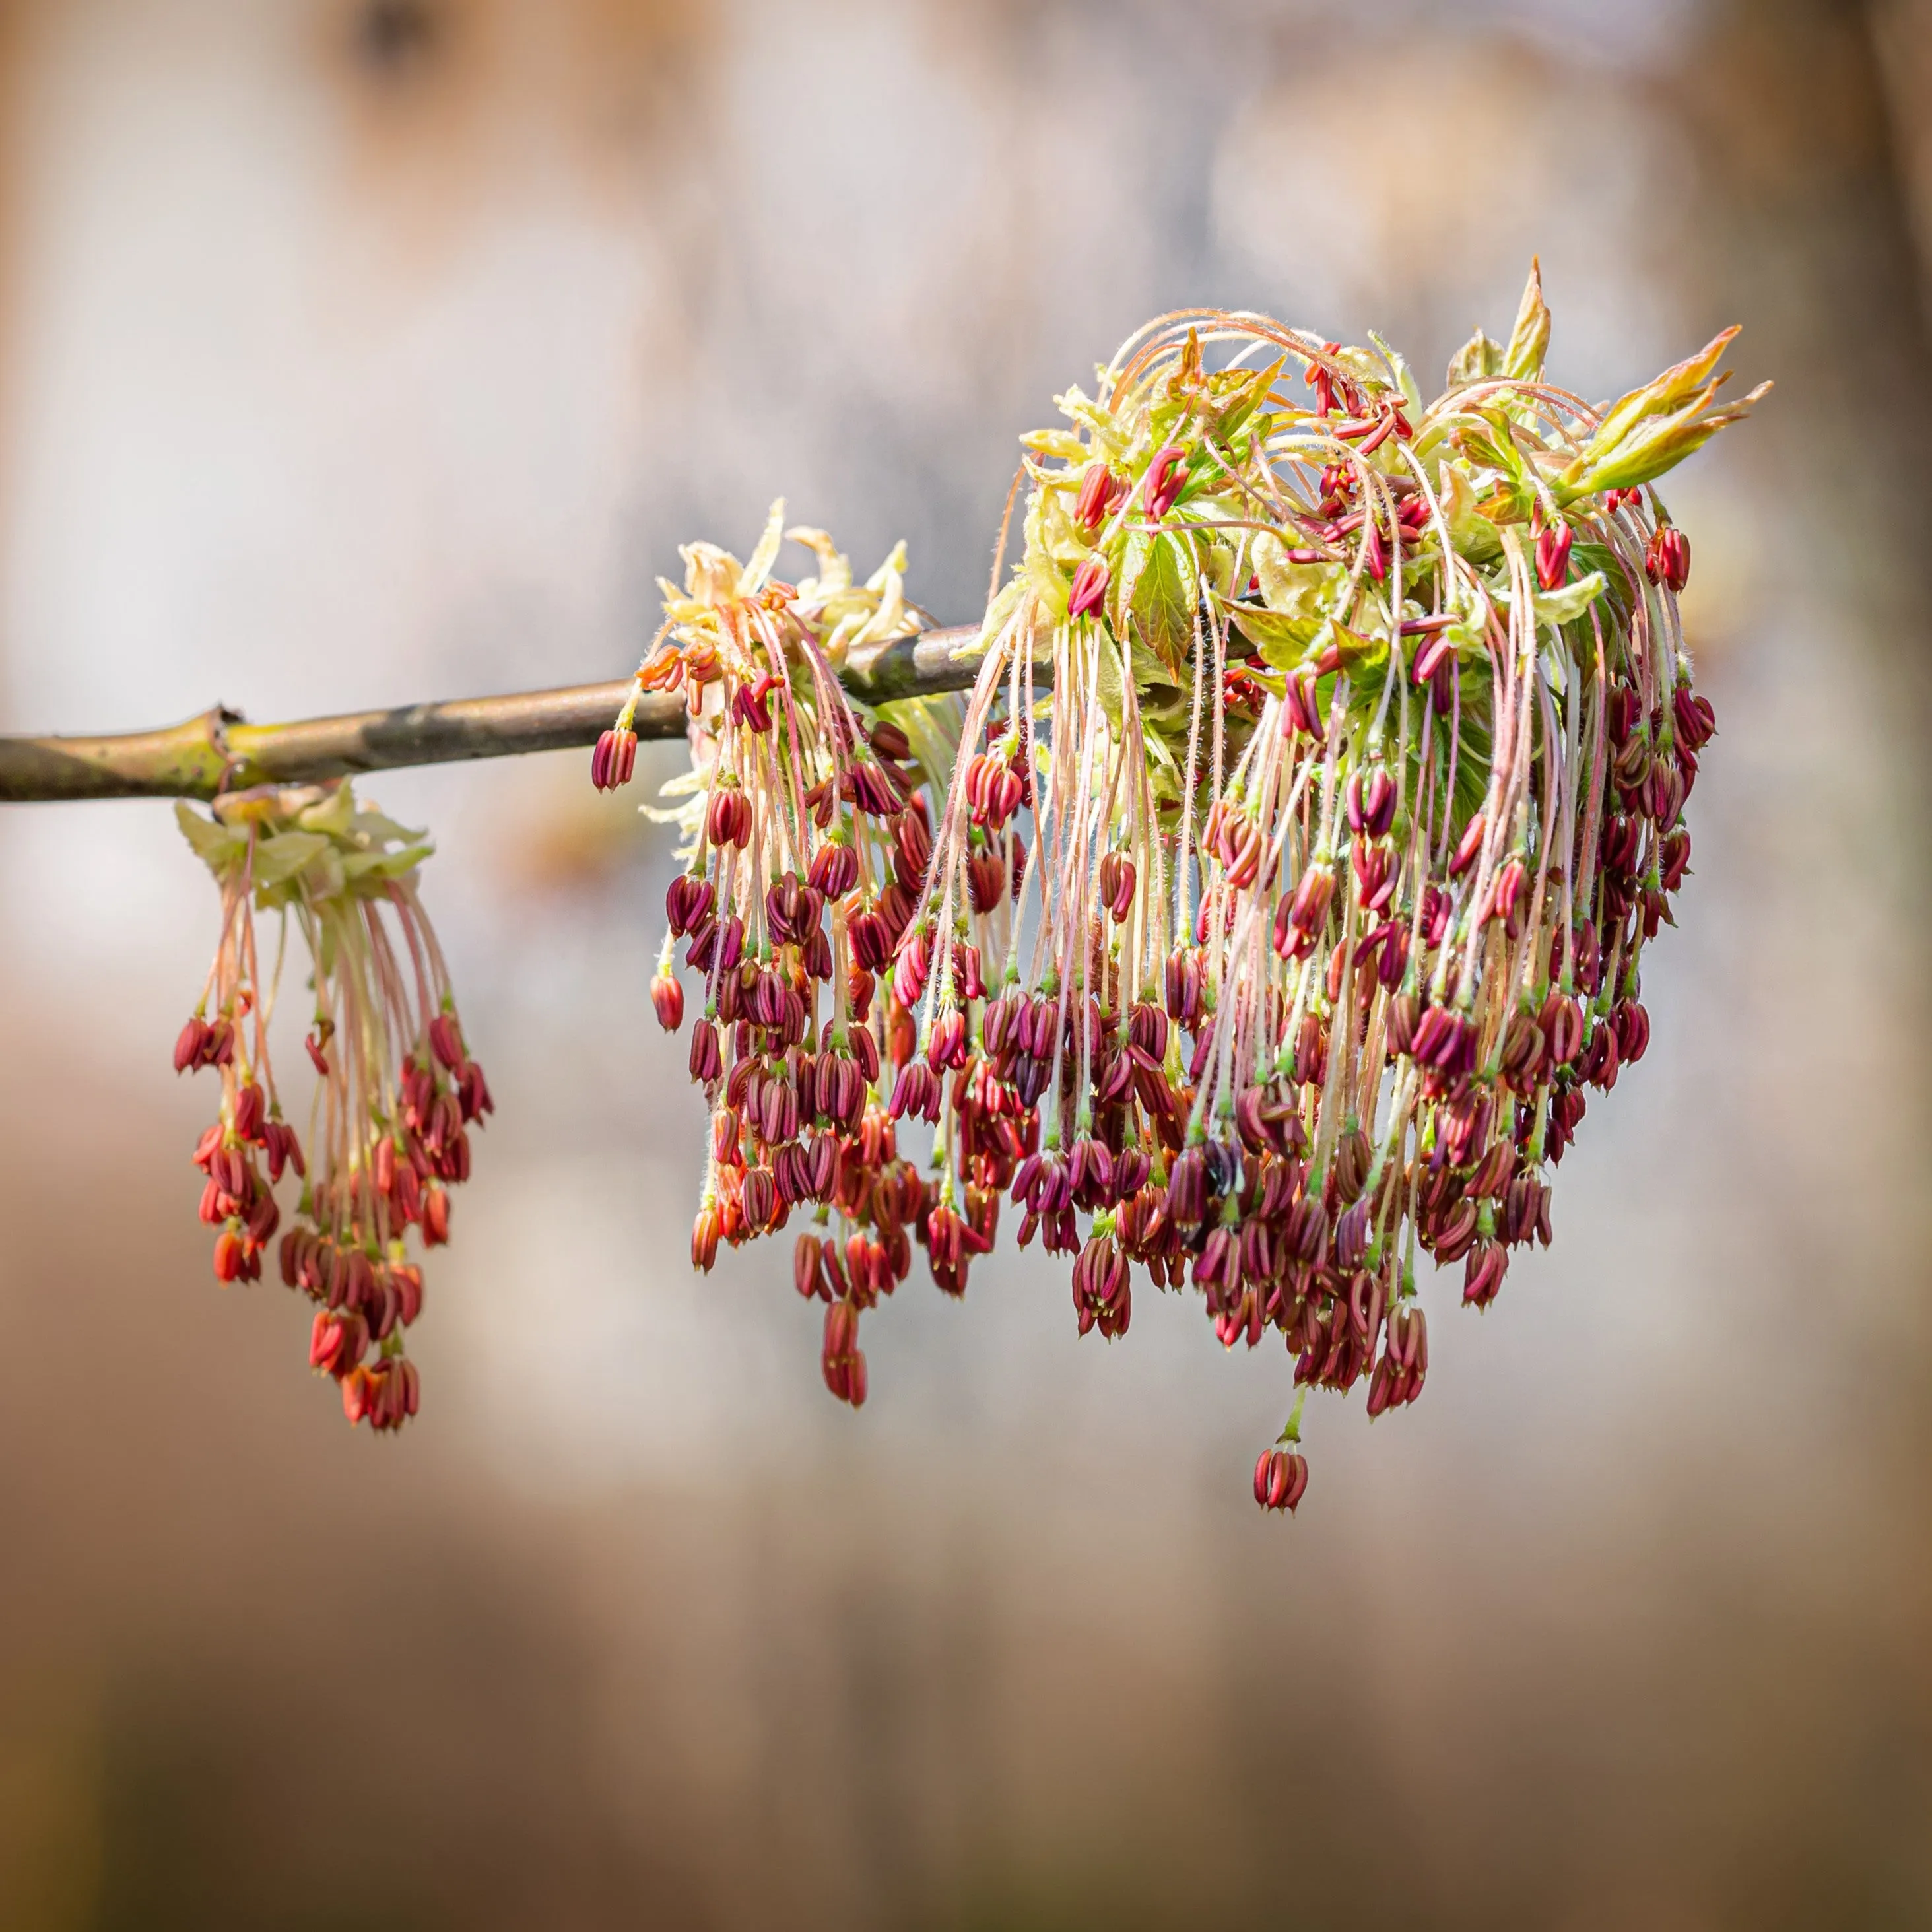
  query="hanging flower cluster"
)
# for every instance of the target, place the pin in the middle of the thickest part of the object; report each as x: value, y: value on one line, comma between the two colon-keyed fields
x: 807, y: 837
x: 1350, y: 737
x: 396, y: 1092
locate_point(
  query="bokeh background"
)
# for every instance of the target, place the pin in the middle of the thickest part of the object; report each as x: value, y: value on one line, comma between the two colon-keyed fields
x: 358, y: 351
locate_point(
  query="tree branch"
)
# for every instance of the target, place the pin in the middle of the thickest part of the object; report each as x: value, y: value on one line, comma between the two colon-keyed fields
x: 220, y: 751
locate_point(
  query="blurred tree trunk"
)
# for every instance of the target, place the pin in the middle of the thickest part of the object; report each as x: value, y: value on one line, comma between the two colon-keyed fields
x: 1812, y: 221
x: 1803, y: 222
x: 1900, y: 39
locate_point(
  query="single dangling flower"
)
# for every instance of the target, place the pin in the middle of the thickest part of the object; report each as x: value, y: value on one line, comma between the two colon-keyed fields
x: 1667, y: 560
x: 614, y: 759
x: 1088, y: 591
x: 1100, y: 492
x: 397, y: 1093
x: 1553, y: 555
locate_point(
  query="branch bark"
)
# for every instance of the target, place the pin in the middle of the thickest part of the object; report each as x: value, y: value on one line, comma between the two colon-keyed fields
x: 220, y: 751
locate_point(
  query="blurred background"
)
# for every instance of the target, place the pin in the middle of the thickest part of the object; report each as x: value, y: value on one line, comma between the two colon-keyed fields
x: 359, y: 351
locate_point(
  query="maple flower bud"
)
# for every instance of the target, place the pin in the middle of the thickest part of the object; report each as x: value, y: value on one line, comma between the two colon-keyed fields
x: 1187, y: 1189
x: 705, y: 1230
x: 834, y: 870
x: 1675, y: 859
x: 1100, y: 490
x: 839, y: 1355
x: 614, y: 760
x: 808, y: 1275
x: 1483, y: 1274
x: 1308, y: 912
x: 1300, y: 711
x: 337, y: 1341
x: 229, y: 1256
x: 1470, y: 846
x: 1371, y: 803
x: 1183, y: 981
x: 723, y: 823
x: 1632, y: 1024
x: 189, y: 1046
x: 917, y: 1091
x: 1510, y: 880
x: 1088, y: 591
x: 1117, y: 879
x: 707, y: 1059
x: 1696, y: 721
x: 251, y: 1108
x: 1166, y: 477
x: 950, y: 1047
x: 1281, y: 1479
x: 1667, y: 559
x: 1376, y: 546
x: 359, y: 1390
x: 1553, y: 556
x: 688, y: 905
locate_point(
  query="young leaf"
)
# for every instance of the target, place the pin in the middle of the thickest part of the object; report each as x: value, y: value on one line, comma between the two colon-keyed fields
x: 760, y: 568
x: 1477, y: 359
x: 1529, y: 340
x: 1164, y: 596
x: 284, y: 855
x: 219, y: 849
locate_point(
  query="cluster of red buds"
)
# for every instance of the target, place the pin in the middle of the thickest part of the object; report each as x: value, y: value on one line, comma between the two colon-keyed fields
x: 1357, y: 794
x: 809, y: 839
x: 397, y: 1092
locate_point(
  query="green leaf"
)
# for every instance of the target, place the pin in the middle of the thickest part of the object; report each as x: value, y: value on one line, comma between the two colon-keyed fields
x: 1287, y: 642
x: 1238, y: 393
x: 372, y: 824
x: 1565, y: 604
x: 1151, y: 675
x: 1477, y: 359
x: 333, y: 815
x: 1047, y: 582
x: 1066, y: 444
x: 284, y: 855
x: 1472, y: 533
x: 322, y: 878
x: 1164, y: 595
x: 995, y: 622
x: 219, y: 849
x: 1283, y: 640
x: 1405, y: 377
x: 835, y: 567
x: 1359, y: 653
x: 1187, y: 379
x: 1107, y: 681
x: 1587, y: 557
x: 1529, y: 340
x: 1569, y: 600
x: 1106, y: 432
x: 1050, y: 527
x: 752, y: 580
x: 1484, y: 436
x: 1648, y: 452
x: 1678, y: 383
x: 385, y: 864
